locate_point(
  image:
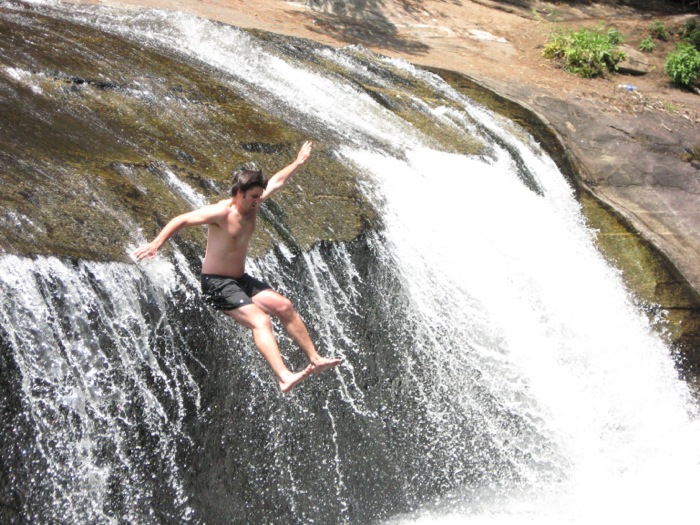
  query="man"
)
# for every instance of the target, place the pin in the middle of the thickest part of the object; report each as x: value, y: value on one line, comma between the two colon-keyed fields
x: 225, y: 284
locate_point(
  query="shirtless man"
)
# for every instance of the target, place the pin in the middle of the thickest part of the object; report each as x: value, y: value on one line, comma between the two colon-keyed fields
x: 225, y: 284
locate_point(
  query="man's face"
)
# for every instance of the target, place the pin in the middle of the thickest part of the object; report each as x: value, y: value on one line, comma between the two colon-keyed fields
x: 249, y: 200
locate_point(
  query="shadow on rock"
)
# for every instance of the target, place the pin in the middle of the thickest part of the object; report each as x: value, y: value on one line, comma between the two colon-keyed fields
x: 361, y: 22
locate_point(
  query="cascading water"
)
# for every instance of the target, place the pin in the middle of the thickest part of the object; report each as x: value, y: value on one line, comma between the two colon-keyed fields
x: 495, y: 368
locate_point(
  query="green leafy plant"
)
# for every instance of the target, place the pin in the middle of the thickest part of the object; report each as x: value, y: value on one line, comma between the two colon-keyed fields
x: 587, y: 53
x: 647, y: 45
x: 669, y: 106
x: 691, y: 33
x: 615, y: 37
x: 683, y: 65
x: 657, y: 29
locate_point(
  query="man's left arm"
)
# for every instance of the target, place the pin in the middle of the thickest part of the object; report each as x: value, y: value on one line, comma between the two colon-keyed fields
x: 280, y: 178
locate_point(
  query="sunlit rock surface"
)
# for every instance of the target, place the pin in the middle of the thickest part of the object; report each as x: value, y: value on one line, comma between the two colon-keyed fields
x: 98, y: 130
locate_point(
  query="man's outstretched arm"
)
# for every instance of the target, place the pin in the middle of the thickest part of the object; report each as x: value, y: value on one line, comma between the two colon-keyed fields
x: 280, y: 178
x: 205, y: 215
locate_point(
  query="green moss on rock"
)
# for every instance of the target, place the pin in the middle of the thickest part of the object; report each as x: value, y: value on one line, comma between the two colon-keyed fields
x: 92, y: 123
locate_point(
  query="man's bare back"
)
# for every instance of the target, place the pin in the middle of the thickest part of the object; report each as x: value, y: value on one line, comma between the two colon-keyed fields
x: 231, y: 224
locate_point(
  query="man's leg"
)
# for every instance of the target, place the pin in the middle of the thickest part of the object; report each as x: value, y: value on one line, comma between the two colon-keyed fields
x: 278, y: 305
x: 251, y: 316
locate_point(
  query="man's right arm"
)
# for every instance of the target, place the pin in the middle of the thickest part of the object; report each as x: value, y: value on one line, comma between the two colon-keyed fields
x: 205, y: 215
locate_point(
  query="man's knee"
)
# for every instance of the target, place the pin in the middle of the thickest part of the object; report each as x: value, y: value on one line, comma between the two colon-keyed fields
x: 251, y: 317
x: 283, y: 309
x: 261, y: 320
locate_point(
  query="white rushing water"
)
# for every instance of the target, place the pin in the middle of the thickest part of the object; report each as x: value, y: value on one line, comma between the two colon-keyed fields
x: 498, y: 279
x: 95, y: 368
x: 518, y: 278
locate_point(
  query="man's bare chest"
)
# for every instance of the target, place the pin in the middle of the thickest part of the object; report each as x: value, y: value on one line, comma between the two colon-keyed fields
x: 239, y: 230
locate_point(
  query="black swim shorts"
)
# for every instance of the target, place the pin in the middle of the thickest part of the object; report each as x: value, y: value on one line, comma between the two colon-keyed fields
x: 228, y: 293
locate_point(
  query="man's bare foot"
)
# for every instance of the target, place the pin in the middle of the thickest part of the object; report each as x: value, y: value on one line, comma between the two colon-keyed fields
x: 293, y: 379
x: 323, y: 363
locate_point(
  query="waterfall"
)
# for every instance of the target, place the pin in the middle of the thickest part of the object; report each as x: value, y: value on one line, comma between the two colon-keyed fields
x: 495, y: 368
x: 97, y: 368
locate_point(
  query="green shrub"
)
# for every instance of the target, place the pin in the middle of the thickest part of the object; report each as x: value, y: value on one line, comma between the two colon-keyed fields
x: 647, y: 45
x: 683, y: 65
x: 615, y: 37
x: 658, y: 30
x: 587, y: 53
x: 691, y: 33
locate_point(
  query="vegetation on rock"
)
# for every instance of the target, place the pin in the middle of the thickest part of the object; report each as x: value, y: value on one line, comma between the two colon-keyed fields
x: 647, y: 45
x: 585, y: 52
x: 683, y: 65
x: 591, y: 53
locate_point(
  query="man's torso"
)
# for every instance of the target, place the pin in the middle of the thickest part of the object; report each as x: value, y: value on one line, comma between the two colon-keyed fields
x: 228, y: 239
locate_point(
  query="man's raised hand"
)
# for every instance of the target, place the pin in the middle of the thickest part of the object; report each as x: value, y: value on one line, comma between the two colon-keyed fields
x: 304, y: 152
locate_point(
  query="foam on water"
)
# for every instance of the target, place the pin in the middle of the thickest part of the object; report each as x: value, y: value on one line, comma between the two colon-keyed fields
x: 485, y: 257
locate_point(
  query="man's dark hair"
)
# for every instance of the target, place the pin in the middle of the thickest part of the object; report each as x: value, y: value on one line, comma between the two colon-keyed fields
x: 246, y: 177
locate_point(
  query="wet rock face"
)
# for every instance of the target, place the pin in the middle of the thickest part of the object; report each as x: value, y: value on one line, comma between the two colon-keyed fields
x: 96, y: 128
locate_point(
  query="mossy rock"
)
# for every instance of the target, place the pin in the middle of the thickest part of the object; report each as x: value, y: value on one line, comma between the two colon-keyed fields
x: 92, y: 124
